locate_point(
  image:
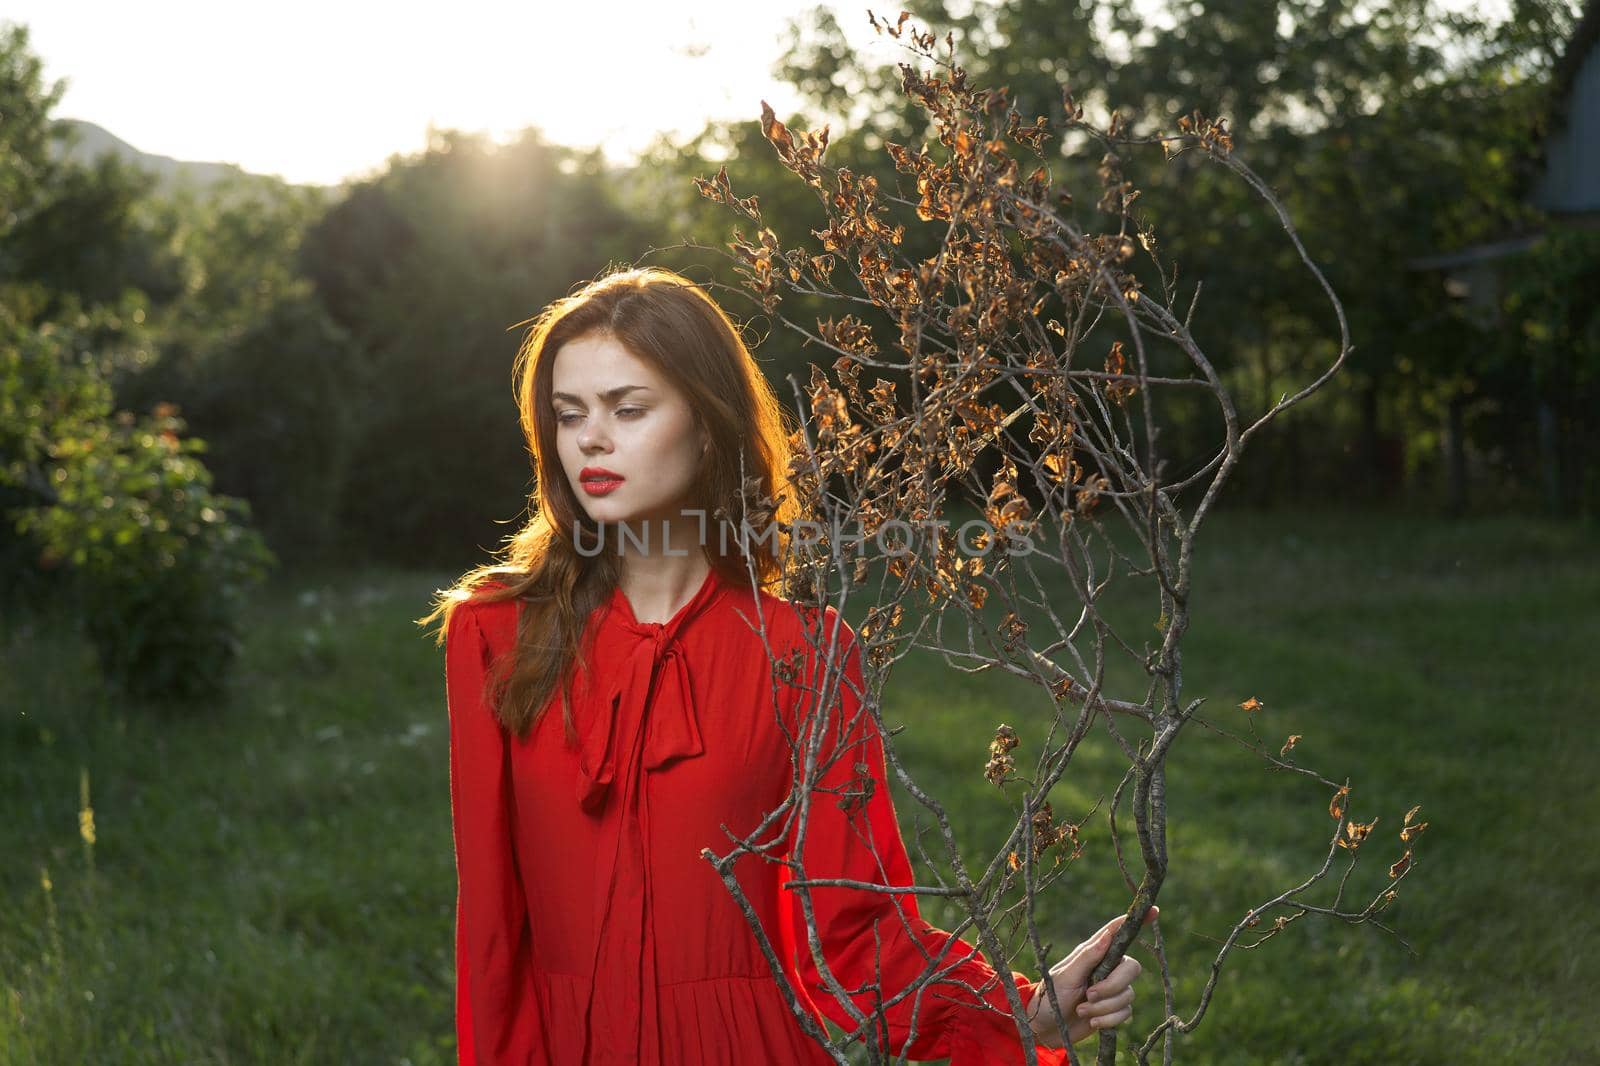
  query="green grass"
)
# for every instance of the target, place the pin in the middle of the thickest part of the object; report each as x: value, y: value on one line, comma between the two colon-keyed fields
x: 272, y: 882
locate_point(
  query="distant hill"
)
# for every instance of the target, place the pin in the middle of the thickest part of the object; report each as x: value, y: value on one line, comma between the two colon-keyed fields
x: 90, y: 141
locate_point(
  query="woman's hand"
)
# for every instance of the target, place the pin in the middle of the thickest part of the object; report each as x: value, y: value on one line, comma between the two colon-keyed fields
x: 1087, y: 1010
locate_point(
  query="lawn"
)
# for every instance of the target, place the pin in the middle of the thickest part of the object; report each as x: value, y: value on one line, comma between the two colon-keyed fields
x: 272, y: 883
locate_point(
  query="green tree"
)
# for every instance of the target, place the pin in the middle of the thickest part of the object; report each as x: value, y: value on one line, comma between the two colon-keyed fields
x: 158, y: 560
x: 115, y: 503
x: 254, y: 361
x: 27, y: 164
x: 1391, y: 131
x: 429, y: 268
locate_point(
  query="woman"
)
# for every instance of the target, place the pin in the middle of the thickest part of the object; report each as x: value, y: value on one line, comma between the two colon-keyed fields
x: 589, y: 927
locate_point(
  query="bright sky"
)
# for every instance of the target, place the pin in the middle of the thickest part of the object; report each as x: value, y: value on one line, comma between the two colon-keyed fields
x: 316, y: 92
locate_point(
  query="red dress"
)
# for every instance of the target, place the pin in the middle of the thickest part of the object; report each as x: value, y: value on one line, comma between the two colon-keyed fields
x: 589, y: 930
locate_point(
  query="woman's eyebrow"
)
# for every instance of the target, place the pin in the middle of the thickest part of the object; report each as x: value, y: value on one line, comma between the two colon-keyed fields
x: 609, y: 394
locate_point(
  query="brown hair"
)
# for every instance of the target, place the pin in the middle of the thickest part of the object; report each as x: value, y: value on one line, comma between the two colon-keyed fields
x: 667, y: 320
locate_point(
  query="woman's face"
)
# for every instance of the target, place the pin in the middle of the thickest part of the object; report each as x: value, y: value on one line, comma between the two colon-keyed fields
x: 616, y: 415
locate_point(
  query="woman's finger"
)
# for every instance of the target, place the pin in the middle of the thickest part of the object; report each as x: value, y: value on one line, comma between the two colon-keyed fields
x: 1082, y: 959
x: 1116, y: 1016
x: 1100, y: 1007
x: 1109, y: 1020
x: 1121, y: 976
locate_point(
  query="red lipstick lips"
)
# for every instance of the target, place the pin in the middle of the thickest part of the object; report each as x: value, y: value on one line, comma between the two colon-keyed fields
x: 598, y: 481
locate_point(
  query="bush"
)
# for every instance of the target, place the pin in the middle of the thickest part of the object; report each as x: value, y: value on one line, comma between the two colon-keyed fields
x: 158, y: 560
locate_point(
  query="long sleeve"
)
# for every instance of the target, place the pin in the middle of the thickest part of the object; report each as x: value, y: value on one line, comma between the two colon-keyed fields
x: 497, y: 1017
x: 864, y: 844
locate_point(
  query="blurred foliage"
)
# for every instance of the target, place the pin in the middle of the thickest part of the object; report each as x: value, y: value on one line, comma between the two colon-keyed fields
x: 429, y: 267
x: 1392, y: 132
x: 159, y: 560
x: 26, y: 136
x: 1547, y: 327
x: 257, y: 366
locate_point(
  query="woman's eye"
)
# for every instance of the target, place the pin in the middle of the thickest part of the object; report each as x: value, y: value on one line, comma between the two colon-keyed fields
x: 566, y: 418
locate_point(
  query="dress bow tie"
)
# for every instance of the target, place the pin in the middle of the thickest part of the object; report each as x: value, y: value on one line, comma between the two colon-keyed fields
x: 655, y: 676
